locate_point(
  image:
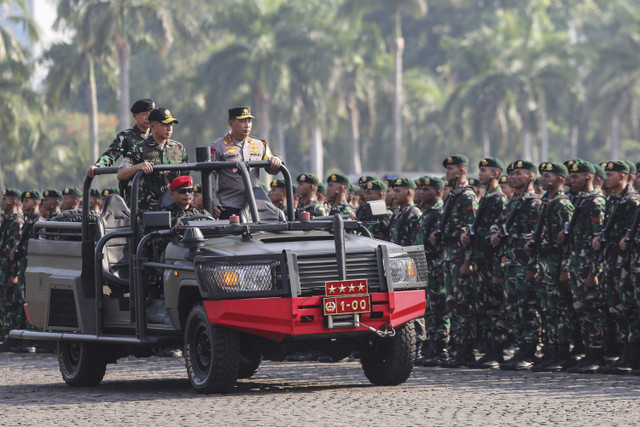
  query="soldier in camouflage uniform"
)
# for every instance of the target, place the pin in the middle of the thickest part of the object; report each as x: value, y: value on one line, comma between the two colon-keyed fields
x: 551, y: 266
x: 436, y: 320
x: 182, y: 193
x: 308, y: 185
x: 459, y: 211
x: 337, y: 191
x: 11, y: 311
x: 616, y: 270
x: 278, y: 194
x: 157, y: 150
x: 374, y: 190
x: 127, y: 139
x: 577, y: 235
x: 405, y: 221
x: 52, y: 200
x: 489, y: 296
x: 505, y: 187
x: 71, y: 198
x: 522, y: 213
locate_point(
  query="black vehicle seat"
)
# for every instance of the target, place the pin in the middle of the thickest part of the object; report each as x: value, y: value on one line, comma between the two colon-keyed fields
x: 116, y: 216
x: 267, y: 210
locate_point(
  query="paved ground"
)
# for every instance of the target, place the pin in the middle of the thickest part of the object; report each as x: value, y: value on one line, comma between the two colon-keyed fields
x: 155, y: 391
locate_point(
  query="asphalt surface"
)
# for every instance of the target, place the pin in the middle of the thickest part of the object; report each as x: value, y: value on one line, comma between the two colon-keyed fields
x: 155, y: 391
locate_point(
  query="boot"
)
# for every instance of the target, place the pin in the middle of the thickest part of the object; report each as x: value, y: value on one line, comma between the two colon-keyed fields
x: 627, y: 361
x: 548, y: 357
x: 562, y: 360
x: 422, y: 350
x: 436, y: 353
x: 523, y: 359
x: 464, y: 355
x: 591, y: 363
x: 491, y: 360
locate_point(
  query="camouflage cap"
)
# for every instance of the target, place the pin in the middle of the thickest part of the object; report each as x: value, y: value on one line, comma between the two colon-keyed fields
x: 109, y: 191
x: 632, y: 167
x: 474, y: 182
x: 278, y: 183
x: 322, y: 189
x: 339, y: 178
x: 554, y: 167
x: 52, y: 193
x: 11, y: 192
x: 491, y: 162
x: 365, y: 178
x: 31, y: 194
x: 377, y: 185
x: 456, y: 159
x: 94, y: 192
x: 522, y: 164
x: 309, y: 178
x: 599, y: 170
x: 617, y: 166
x: 504, y: 179
x: 73, y: 191
x: 580, y: 165
x: 403, y: 182
x: 432, y: 181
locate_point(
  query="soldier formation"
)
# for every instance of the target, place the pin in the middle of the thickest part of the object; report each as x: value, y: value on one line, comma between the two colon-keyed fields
x: 543, y: 260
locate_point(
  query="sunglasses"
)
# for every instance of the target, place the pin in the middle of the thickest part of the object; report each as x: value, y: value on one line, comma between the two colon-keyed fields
x: 184, y: 190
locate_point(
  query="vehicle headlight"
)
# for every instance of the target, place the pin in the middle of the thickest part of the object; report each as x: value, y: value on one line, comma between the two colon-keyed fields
x: 403, y: 270
x: 220, y: 279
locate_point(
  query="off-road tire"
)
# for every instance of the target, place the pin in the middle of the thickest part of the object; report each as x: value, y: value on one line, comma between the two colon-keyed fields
x: 82, y: 364
x: 249, y: 363
x: 211, y: 354
x: 389, y: 361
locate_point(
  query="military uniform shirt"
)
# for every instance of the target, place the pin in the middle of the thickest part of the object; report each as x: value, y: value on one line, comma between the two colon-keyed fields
x: 121, y: 145
x: 312, y: 206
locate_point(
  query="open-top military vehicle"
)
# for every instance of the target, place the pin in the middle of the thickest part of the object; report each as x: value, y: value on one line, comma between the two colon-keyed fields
x: 234, y: 293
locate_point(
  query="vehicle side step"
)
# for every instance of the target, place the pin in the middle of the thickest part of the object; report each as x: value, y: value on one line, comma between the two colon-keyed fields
x: 69, y: 336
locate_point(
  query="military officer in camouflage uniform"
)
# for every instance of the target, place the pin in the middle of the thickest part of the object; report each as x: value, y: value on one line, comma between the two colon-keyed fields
x: 306, y: 192
x: 489, y: 295
x: 127, y: 139
x: 576, y: 236
x: 71, y: 198
x: 550, y: 265
x: 51, y: 202
x: 337, y: 191
x: 522, y: 214
x: 11, y: 311
x: 278, y: 194
x: 160, y: 149
x: 182, y: 193
x: 478, y: 188
x: 436, y: 320
x: 459, y: 211
x: 374, y: 190
x: 95, y: 200
x: 405, y: 221
x: 616, y: 270
x: 237, y: 146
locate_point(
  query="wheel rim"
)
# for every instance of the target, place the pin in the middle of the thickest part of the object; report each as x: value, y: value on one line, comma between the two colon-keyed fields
x: 72, y: 355
x: 202, y: 348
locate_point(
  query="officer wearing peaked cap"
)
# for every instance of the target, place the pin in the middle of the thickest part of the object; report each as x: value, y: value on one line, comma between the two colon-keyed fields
x: 238, y: 146
x: 126, y: 139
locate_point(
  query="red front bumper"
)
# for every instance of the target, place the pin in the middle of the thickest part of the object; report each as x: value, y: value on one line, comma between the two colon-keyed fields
x: 277, y: 318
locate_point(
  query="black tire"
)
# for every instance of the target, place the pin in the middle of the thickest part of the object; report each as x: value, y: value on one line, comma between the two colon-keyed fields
x: 82, y: 364
x: 249, y: 363
x: 75, y: 215
x: 211, y: 354
x: 389, y: 361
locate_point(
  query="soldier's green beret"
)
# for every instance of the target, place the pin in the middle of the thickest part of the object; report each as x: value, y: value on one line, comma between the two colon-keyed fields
x: 504, y: 179
x: 31, y: 194
x: 278, y: 183
x: 456, y: 159
x: 432, y: 181
x: 322, y: 189
x: 52, y: 193
x: 638, y: 166
x: 403, y: 182
x: 599, y: 171
x: 339, y: 178
x: 570, y: 162
x: 617, y: 166
x: 582, y: 166
x: 376, y: 184
x: 354, y: 189
x: 94, y: 192
x: 554, y: 167
x: 447, y: 183
x: 632, y: 167
x: 522, y: 164
x: 474, y: 182
x: 74, y: 191
x: 197, y: 188
x: 11, y: 192
x: 603, y: 165
x: 308, y: 177
x: 109, y: 191
x: 491, y: 162
x: 366, y: 178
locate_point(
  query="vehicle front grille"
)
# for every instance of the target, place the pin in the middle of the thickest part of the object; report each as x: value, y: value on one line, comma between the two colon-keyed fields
x: 62, y: 310
x: 314, y: 271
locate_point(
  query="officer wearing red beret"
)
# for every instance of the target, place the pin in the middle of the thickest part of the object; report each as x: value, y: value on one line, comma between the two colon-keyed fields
x: 182, y: 192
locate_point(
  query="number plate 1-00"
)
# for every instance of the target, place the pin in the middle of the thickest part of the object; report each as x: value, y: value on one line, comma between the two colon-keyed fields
x: 346, y: 305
